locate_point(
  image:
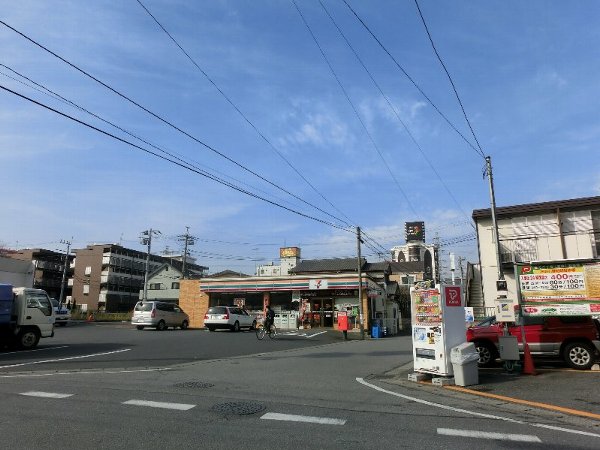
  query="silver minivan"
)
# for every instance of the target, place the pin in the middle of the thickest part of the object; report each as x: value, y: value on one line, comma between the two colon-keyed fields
x: 159, y: 315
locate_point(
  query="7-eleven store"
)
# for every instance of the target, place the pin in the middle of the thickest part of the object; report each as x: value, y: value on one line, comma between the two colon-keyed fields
x: 307, y: 301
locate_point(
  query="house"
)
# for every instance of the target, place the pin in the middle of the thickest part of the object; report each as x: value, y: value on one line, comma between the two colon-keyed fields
x: 554, y: 231
x: 164, y: 281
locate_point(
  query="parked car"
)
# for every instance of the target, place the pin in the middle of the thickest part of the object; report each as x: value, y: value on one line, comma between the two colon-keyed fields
x: 575, y: 339
x: 228, y: 317
x: 61, y: 314
x: 159, y: 315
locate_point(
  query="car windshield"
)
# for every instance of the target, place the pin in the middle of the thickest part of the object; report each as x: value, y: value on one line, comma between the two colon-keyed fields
x: 487, y: 322
x: 217, y: 310
x: 143, y: 307
x: 54, y: 302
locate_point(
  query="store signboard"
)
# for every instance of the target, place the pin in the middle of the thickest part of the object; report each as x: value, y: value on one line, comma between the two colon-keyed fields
x: 505, y: 310
x: 414, y: 231
x: 559, y: 289
x: 318, y: 284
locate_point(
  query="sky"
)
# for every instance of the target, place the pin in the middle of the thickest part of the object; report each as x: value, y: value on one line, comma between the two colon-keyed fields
x: 264, y: 124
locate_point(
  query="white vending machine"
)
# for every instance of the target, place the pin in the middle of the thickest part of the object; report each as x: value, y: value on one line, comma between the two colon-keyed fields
x: 438, y: 325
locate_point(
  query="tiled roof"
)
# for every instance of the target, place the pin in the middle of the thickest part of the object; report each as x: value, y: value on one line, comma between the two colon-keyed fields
x: 395, y: 267
x: 228, y: 273
x: 328, y: 265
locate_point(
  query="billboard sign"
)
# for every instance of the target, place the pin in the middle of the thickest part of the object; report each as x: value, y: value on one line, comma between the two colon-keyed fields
x: 414, y: 231
x: 560, y: 289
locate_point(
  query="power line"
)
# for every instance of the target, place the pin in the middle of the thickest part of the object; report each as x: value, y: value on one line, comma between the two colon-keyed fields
x: 165, y: 121
x: 354, y: 109
x: 182, y: 165
x: 52, y: 94
x: 394, y: 110
x: 481, y: 152
x: 414, y: 83
x: 239, y: 111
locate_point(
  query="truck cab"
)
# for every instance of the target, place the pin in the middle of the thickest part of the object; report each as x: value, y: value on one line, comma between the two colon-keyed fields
x: 31, y: 316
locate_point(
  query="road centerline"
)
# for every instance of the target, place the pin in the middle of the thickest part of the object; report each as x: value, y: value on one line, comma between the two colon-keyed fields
x: 163, y: 405
x: 45, y: 394
x: 489, y: 435
x: 306, y: 419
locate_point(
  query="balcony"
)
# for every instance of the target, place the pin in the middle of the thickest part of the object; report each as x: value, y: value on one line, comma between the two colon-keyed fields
x: 518, y: 251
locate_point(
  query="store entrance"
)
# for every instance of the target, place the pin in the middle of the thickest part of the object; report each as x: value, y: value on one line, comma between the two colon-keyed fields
x: 322, y: 312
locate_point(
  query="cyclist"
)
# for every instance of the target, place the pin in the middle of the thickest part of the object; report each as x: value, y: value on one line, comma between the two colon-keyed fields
x: 269, y: 318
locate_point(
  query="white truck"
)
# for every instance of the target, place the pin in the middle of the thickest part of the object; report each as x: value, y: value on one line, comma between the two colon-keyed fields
x: 26, y: 315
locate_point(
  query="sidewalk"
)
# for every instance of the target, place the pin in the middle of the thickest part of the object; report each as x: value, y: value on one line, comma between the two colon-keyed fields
x: 555, y: 388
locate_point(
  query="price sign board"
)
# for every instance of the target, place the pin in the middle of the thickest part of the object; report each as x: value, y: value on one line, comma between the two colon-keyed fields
x: 560, y: 289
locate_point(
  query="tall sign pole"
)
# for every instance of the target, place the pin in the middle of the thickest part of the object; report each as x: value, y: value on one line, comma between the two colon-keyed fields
x: 360, y: 290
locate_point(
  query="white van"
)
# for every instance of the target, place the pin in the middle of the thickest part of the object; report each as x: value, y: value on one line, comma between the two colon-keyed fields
x: 159, y: 315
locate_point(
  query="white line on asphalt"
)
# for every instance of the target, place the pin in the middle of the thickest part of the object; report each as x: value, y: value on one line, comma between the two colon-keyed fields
x: 178, y: 406
x: 473, y: 413
x: 45, y: 394
x: 64, y: 359
x: 36, y: 350
x: 82, y: 372
x: 316, y: 334
x: 489, y: 435
x: 308, y: 419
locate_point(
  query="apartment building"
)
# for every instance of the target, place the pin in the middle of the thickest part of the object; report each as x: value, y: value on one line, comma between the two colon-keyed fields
x: 552, y: 231
x: 109, y: 277
x: 48, y: 270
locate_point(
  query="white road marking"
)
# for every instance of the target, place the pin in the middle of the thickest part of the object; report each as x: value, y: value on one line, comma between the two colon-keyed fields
x: 36, y: 350
x: 164, y: 405
x: 316, y: 334
x: 473, y: 413
x: 64, y: 359
x: 82, y: 372
x: 45, y: 394
x: 489, y: 435
x: 308, y: 419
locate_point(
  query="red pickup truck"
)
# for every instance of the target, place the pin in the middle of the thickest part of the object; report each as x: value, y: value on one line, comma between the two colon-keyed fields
x: 576, y: 339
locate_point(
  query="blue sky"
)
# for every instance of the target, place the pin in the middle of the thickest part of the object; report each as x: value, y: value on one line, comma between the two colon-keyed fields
x: 527, y: 73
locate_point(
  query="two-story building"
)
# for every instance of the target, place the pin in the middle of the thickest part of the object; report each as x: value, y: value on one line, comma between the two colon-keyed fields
x: 549, y: 231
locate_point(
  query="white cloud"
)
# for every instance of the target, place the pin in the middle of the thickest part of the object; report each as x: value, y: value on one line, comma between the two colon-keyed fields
x: 550, y: 78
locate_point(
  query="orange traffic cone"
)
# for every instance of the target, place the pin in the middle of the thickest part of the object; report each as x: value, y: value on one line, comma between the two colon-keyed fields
x: 528, y: 367
x: 90, y: 318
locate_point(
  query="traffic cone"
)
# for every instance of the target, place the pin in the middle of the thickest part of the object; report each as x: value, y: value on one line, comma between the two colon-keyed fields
x: 90, y: 318
x: 528, y: 367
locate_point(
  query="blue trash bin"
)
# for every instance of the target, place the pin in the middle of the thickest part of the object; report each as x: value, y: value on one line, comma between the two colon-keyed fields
x: 376, y: 331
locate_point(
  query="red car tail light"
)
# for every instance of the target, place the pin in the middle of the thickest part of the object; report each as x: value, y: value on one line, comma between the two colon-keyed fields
x: 205, y: 316
x: 153, y: 313
x: 226, y: 316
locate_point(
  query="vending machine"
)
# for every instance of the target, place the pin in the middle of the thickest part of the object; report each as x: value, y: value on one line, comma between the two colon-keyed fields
x: 438, y: 325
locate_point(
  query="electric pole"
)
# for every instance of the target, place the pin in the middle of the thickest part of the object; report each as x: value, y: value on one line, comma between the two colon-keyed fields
x: 147, y: 240
x: 495, y: 235
x: 64, y: 274
x: 188, y: 240
x: 360, y: 292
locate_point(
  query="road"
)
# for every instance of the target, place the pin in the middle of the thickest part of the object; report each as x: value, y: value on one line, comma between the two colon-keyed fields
x: 292, y: 393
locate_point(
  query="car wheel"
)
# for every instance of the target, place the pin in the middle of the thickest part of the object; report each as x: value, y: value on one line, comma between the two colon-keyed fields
x: 236, y: 327
x: 140, y: 327
x: 211, y: 328
x: 28, y: 339
x: 184, y: 325
x: 161, y: 326
x: 579, y: 355
x: 487, y: 353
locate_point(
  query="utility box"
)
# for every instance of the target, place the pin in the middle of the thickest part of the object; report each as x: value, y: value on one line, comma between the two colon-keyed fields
x: 509, y: 348
x: 464, y: 358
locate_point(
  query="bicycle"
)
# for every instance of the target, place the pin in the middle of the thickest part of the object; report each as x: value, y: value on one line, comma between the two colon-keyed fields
x: 261, y: 331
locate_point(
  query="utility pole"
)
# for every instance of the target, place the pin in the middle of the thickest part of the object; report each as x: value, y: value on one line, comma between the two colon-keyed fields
x: 188, y: 240
x: 360, y: 291
x: 64, y: 274
x: 147, y: 240
x: 495, y: 235
x: 439, y: 277
x: 452, y: 267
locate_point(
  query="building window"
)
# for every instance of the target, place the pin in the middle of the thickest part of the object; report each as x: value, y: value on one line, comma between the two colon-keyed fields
x: 88, y: 270
x: 86, y: 289
x: 155, y: 286
x: 175, y: 285
x: 596, y: 230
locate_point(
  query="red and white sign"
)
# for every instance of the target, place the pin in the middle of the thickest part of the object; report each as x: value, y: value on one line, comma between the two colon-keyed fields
x: 452, y: 296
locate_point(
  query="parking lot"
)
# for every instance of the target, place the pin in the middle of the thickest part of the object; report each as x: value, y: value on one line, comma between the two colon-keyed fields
x: 110, y: 345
